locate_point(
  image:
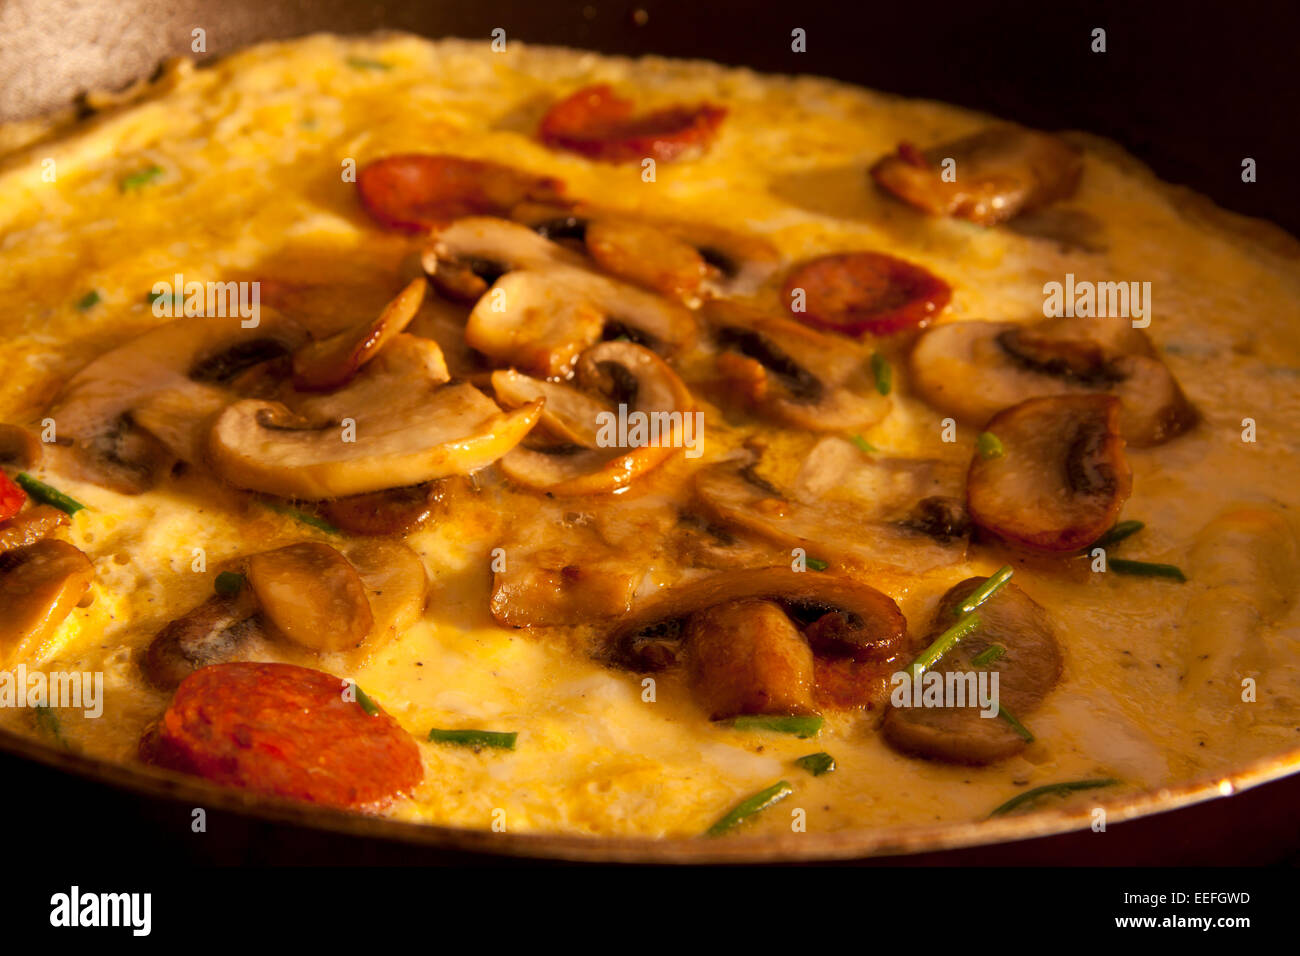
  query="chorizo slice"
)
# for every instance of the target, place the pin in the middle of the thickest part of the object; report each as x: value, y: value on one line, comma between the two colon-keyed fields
x: 415, y: 192
x: 597, y: 123
x: 860, y: 293
x: 286, y: 731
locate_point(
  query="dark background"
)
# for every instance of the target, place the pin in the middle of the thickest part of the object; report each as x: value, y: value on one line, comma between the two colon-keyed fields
x: 1191, y: 88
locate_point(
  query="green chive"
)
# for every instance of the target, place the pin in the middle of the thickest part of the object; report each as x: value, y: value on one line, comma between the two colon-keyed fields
x: 884, y: 374
x: 942, y: 645
x: 817, y: 564
x: 320, y: 524
x: 1060, y: 789
x: 478, y: 739
x: 988, y: 445
x: 88, y: 301
x: 1016, y: 725
x: 990, y: 587
x: 368, y: 705
x: 750, y: 806
x: 801, y: 727
x: 1117, y: 534
x: 228, y: 582
x: 1147, y: 569
x: 864, y: 446
x: 140, y: 178
x: 365, y: 63
x: 994, y: 652
x: 48, y: 721
x: 817, y: 764
x: 47, y: 495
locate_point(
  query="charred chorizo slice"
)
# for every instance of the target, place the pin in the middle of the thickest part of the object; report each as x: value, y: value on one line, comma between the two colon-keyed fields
x: 286, y: 731
x: 597, y: 123
x: 1028, y: 668
x: 861, y: 293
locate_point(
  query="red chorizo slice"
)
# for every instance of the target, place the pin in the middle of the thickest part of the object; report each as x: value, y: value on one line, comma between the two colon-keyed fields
x: 865, y: 292
x: 286, y: 731
x: 599, y: 124
x: 416, y: 192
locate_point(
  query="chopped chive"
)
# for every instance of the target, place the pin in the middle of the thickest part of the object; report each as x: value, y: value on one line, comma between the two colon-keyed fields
x: 817, y: 764
x: 986, y: 590
x: 988, y: 445
x: 801, y: 726
x: 178, y: 298
x: 942, y: 645
x: 1146, y: 569
x: 1117, y: 534
x: 864, y: 446
x: 140, y: 178
x: 478, y: 739
x: 88, y: 301
x: 817, y: 564
x: 228, y: 582
x: 1016, y: 725
x: 994, y: 652
x: 366, y: 63
x: 883, y: 373
x: 320, y: 524
x: 750, y: 806
x: 368, y: 705
x: 1059, y: 789
x: 48, y: 721
x: 47, y: 495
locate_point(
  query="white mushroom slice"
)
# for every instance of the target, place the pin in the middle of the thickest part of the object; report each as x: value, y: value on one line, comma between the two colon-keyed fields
x: 407, y: 430
x: 973, y: 370
x: 505, y: 244
x: 630, y: 376
x: 190, y: 360
x: 654, y: 321
x: 569, y: 415
x: 836, y: 530
x: 770, y: 360
x: 529, y: 320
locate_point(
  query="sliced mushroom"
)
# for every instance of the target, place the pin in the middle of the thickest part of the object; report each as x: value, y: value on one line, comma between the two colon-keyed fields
x: 535, y: 323
x: 332, y: 362
x: 872, y: 627
x: 739, y: 263
x: 1062, y: 477
x: 568, y: 414
x: 19, y: 448
x: 1028, y: 669
x: 312, y: 596
x: 841, y: 530
x: 562, y: 586
x: 769, y: 362
x: 997, y: 174
x: 172, y: 377
x: 396, y: 584
x: 647, y: 256
x: 396, y: 511
x: 28, y: 527
x: 747, y: 657
x: 39, y: 586
x: 223, y: 628
x: 409, y: 429
x: 468, y: 255
x: 627, y: 375
x: 972, y: 370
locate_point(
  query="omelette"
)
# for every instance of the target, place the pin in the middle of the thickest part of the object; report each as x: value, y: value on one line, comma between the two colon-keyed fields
x: 530, y: 440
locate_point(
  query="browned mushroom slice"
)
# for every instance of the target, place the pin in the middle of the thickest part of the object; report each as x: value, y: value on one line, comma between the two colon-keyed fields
x: 769, y: 362
x: 647, y: 256
x: 562, y: 586
x: 531, y: 321
x: 830, y: 529
x: 972, y: 370
x: 631, y: 376
x: 872, y: 627
x: 396, y: 511
x: 1062, y: 477
x: 1028, y: 669
x: 747, y: 657
x: 19, y: 448
x: 569, y: 415
x: 28, y: 527
x: 223, y: 628
x: 396, y: 584
x: 39, y: 586
x: 332, y: 362
x: 312, y: 596
x: 999, y: 172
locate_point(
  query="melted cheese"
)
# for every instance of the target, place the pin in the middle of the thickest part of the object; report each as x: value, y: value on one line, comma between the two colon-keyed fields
x: 252, y: 149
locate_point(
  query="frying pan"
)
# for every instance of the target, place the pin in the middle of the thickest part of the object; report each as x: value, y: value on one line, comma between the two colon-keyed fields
x: 1191, y: 96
